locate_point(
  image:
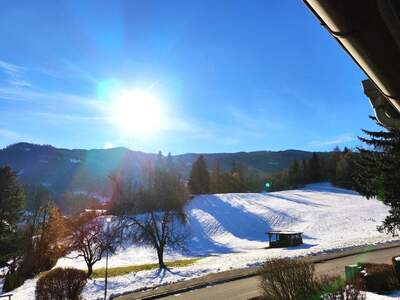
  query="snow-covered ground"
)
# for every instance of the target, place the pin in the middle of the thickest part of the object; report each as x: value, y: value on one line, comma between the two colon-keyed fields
x: 229, y: 231
x: 390, y: 296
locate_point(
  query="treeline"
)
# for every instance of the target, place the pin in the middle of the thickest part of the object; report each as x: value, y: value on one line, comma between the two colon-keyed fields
x: 336, y: 167
x: 70, y: 203
x: 217, y: 181
x: 161, y: 187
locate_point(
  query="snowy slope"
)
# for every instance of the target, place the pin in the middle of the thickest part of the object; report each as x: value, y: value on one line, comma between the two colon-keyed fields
x: 229, y: 230
x: 328, y: 216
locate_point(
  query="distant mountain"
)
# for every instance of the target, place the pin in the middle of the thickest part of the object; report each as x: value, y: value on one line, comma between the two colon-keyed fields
x: 87, y: 170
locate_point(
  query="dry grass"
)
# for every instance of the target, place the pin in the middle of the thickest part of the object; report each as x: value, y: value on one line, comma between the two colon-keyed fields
x: 99, y: 273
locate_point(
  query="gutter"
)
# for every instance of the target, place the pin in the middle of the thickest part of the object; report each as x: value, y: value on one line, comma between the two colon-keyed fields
x: 369, y: 31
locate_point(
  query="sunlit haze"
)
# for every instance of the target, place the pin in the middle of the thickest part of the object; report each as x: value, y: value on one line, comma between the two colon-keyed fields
x: 180, y: 76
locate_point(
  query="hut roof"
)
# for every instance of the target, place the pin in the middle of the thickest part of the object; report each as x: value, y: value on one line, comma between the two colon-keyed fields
x: 284, y: 232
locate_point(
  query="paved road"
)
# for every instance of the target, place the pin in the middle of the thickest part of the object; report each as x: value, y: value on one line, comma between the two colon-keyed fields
x: 244, y: 289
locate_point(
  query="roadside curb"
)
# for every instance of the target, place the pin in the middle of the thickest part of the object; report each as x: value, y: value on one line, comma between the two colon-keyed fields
x: 237, y: 274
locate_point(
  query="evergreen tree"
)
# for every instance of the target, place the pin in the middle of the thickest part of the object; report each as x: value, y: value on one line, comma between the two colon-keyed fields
x: 302, y: 172
x: 159, y: 177
x: 315, y: 168
x: 199, y: 181
x: 11, y: 208
x: 378, y: 173
x: 237, y: 184
x: 35, y: 196
x: 174, y: 193
x: 343, y: 175
x: 294, y: 174
x: 332, y: 165
x: 216, y: 180
x: 307, y: 171
x: 234, y: 167
x: 344, y: 169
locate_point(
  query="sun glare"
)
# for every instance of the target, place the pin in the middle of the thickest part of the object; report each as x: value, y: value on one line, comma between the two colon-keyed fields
x: 137, y: 112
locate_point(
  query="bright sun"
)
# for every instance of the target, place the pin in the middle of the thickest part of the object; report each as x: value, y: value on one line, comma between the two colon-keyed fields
x: 137, y: 112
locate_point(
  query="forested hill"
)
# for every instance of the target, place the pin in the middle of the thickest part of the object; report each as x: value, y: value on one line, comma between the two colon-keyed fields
x: 88, y: 170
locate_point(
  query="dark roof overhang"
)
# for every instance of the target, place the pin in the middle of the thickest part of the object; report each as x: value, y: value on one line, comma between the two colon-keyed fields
x: 369, y: 31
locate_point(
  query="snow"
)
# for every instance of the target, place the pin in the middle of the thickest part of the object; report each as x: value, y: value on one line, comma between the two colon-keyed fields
x: 74, y: 160
x: 228, y: 230
x: 390, y: 296
x: 101, y: 198
x: 25, y: 291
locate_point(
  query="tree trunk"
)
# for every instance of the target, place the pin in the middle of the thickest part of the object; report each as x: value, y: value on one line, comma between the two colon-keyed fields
x: 160, y: 254
x: 89, y: 270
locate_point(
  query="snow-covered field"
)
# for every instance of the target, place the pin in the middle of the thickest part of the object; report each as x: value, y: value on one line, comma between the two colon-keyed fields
x: 390, y: 296
x: 229, y: 231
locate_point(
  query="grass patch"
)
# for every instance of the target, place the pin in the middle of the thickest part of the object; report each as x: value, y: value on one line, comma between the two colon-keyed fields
x: 117, y: 271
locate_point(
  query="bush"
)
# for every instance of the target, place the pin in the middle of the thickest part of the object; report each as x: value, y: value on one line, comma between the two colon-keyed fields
x: 377, y: 278
x: 338, y: 289
x: 346, y: 292
x: 287, y: 279
x: 61, y: 283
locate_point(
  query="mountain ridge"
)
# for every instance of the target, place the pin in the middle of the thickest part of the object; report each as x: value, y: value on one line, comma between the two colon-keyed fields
x: 62, y: 169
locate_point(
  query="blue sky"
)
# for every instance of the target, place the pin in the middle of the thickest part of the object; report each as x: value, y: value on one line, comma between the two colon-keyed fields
x: 228, y: 75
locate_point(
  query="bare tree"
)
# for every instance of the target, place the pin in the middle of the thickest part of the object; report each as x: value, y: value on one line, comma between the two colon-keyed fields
x: 90, y: 239
x: 159, y: 229
x: 156, y: 216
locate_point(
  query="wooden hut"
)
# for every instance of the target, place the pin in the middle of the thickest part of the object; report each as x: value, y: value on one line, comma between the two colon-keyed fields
x: 278, y: 239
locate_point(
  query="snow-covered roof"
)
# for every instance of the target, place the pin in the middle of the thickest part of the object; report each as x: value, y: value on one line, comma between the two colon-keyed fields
x: 284, y: 232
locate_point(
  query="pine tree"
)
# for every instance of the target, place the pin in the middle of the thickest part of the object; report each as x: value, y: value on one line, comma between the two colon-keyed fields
x: 234, y: 167
x: 307, y: 171
x: 345, y: 169
x: 199, y: 181
x: 332, y: 165
x: 302, y: 172
x: 315, y: 168
x: 378, y: 173
x: 343, y: 175
x: 236, y: 179
x: 294, y: 174
x: 216, y: 180
x: 11, y: 206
